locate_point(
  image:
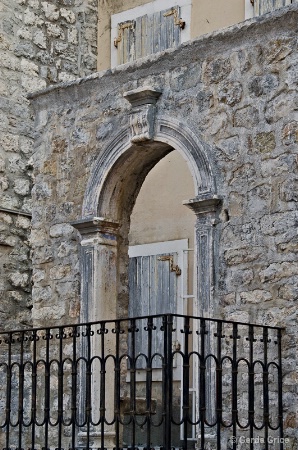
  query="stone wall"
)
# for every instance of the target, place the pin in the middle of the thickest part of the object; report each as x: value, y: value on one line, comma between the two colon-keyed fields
x: 41, y: 43
x: 238, y: 90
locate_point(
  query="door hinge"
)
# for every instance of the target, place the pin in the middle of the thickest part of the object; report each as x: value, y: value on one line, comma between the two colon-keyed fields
x: 177, y: 20
x: 173, y: 268
x: 121, y: 27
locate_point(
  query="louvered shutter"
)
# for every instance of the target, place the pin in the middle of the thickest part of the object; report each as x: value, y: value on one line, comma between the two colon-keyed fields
x: 148, y: 34
x: 152, y: 291
x: 265, y: 6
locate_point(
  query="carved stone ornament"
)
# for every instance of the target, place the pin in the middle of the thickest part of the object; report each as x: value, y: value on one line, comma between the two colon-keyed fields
x: 142, y: 117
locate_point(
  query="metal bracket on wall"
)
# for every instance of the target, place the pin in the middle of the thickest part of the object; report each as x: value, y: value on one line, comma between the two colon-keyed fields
x: 173, y: 268
x: 121, y: 27
x: 177, y: 20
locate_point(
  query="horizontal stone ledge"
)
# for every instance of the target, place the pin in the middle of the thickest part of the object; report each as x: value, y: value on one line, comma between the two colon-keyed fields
x: 92, y: 225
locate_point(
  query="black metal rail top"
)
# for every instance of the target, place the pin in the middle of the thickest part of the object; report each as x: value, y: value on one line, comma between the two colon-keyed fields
x: 125, y: 319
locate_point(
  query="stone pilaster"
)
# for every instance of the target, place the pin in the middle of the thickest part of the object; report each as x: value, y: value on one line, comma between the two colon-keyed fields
x: 206, y: 210
x: 98, y: 268
x: 99, y: 296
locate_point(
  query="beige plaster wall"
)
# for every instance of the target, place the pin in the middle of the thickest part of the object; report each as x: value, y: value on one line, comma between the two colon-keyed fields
x: 207, y: 16
x: 159, y: 214
x: 106, y: 8
x: 211, y: 15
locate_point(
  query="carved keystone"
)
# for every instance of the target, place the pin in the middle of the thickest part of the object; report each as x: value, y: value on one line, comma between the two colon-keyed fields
x: 142, y: 117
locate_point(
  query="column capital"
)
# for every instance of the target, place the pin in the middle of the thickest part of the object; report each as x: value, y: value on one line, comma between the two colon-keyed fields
x: 204, y: 205
x: 93, y: 225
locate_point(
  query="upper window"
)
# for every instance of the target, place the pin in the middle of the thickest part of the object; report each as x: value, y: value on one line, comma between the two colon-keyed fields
x: 145, y: 30
x: 259, y: 7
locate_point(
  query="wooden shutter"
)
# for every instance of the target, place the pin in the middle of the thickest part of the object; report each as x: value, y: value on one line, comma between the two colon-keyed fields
x: 148, y: 34
x: 152, y: 291
x: 265, y: 6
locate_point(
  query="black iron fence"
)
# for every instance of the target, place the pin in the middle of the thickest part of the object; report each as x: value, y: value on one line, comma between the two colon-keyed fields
x: 165, y: 381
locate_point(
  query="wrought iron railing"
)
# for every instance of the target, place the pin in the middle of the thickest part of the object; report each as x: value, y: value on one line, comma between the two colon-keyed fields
x: 160, y: 381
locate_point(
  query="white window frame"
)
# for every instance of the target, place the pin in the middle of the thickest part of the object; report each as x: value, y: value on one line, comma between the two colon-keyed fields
x: 149, y: 8
x: 249, y: 10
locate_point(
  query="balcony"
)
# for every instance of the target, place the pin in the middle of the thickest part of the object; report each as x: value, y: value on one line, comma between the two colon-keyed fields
x: 165, y: 381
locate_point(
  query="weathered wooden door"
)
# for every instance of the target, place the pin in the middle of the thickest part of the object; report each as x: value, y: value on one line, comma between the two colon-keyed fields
x: 155, y: 275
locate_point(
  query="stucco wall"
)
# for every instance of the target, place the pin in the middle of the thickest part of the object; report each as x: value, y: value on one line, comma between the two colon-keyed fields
x: 205, y: 18
x: 238, y: 90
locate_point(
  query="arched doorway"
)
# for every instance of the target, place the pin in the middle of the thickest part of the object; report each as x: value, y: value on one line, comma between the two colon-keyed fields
x: 113, y: 187
x: 115, y: 182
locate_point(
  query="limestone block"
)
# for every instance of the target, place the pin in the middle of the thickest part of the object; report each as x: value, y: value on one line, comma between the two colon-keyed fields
x: 5, y: 218
x: 204, y: 100
x: 263, y: 85
x: 22, y: 186
x: 288, y: 190
x: 68, y: 15
x: 38, y: 275
x: 289, y: 291
x: 236, y: 204
x: 60, y: 48
x: 27, y: 204
x: 290, y: 133
x: 217, y: 123
x: 246, y: 117
x: 241, y: 277
x: 32, y: 84
x: 4, y: 183
x: 265, y: 142
x: 41, y: 294
x: 67, y: 289
x: 41, y: 190
x: 19, y: 279
x: 23, y: 222
x: 49, y: 313
x: 53, y: 30
x: 4, y: 42
x: 6, y: 239
x: 37, y: 238
x: 40, y: 39
x: 230, y: 92
x: 26, y: 145
x: 50, y: 10
x: 258, y: 296
x: 16, y: 296
x: 278, y: 49
x: 72, y: 34
x: 280, y: 106
x: 65, y: 249
x: 33, y: 4
x: 59, y: 272
x: 24, y: 33
x: 64, y: 77
x: 61, y: 229
x: 74, y: 307
x: 9, y: 142
x: 42, y: 254
x: 30, y: 18
x: 25, y: 49
x: 218, y: 69
x: 235, y: 256
x: 9, y: 60
x: 29, y: 67
x: 277, y: 271
x: 288, y: 247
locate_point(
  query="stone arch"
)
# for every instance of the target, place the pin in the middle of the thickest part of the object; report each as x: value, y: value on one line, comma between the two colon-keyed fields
x: 113, y: 186
x: 135, y: 160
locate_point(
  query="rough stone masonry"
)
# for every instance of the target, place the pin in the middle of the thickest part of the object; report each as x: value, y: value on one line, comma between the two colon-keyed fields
x: 41, y: 43
x: 238, y: 90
